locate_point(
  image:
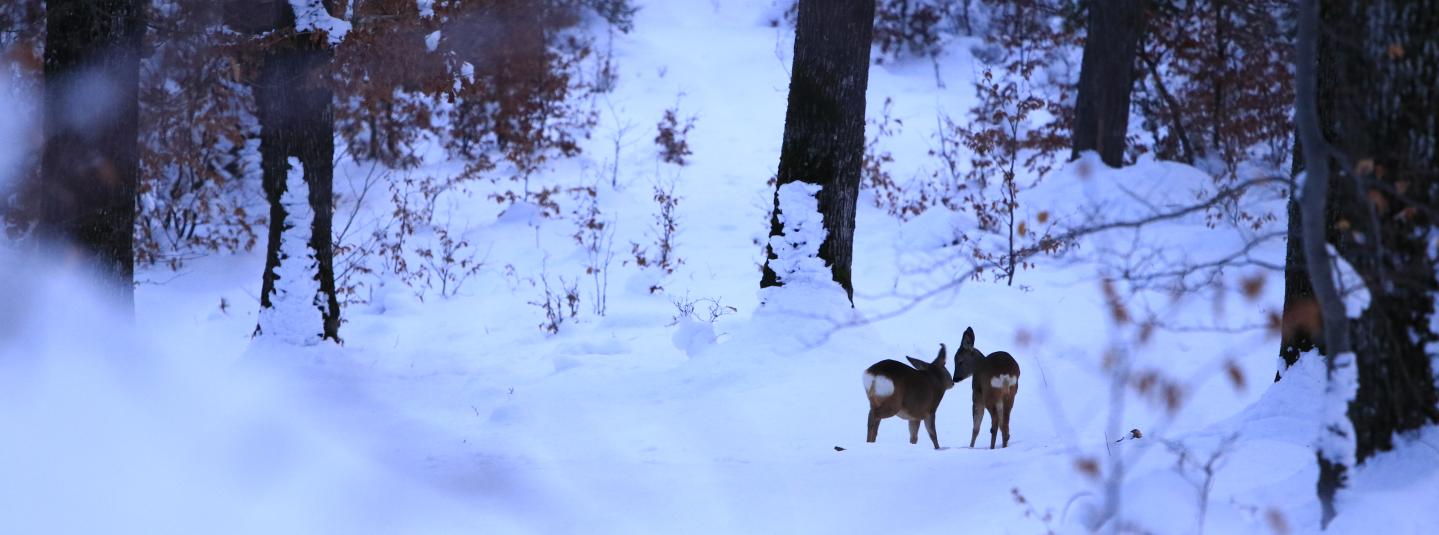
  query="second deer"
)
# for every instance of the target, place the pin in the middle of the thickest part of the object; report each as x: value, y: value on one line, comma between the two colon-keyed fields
x: 996, y: 381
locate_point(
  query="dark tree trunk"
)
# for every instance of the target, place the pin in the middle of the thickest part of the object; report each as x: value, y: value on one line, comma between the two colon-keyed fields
x: 1380, y: 107
x: 90, y: 167
x: 824, y: 125
x: 1300, y: 323
x: 296, y: 118
x: 1105, y: 78
x: 1221, y: 60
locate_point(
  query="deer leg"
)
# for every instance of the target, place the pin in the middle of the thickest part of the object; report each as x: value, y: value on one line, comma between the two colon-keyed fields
x: 978, y: 417
x: 1008, y: 407
x: 929, y: 426
x: 993, y: 425
x: 873, y: 426
x: 914, y: 431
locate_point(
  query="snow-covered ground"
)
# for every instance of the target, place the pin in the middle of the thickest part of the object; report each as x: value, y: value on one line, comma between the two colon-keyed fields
x: 461, y: 415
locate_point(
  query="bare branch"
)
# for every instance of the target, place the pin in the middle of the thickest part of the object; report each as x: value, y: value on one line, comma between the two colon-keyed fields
x: 978, y: 266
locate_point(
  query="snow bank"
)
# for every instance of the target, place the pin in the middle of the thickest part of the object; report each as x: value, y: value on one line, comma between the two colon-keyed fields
x: 693, y: 336
x: 809, y: 304
x: 105, y: 433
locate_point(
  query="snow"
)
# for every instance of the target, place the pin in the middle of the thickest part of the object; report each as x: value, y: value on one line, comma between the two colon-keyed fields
x: 693, y: 336
x: 807, y: 285
x: 796, y: 250
x: 459, y: 415
x: 432, y: 40
x: 296, y: 307
x: 1336, y: 433
x: 311, y: 15
x: 1352, y: 288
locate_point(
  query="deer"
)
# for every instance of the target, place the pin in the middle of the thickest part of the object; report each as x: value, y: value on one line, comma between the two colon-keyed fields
x: 996, y: 381
x: 911, y: 393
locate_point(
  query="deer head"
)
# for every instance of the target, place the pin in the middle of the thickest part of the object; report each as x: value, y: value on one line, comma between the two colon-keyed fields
x: 966, y: 358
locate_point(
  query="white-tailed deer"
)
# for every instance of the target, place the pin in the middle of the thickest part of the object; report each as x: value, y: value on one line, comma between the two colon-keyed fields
x: 909, y: 393
x: 996, y: 381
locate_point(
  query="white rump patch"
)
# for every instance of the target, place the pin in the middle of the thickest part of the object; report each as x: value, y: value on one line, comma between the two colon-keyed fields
x: 1003, y: 381
x: 879, y: 386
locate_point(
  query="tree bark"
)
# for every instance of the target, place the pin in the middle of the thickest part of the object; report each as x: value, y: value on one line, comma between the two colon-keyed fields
x: 824, y: 125
x: 90, y: 167
x: 1379, y: 100
x: 1106, y: 77
x: 1300, y: 323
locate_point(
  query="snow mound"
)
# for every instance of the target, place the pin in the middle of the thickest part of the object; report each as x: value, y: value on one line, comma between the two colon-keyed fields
x: 693, y: 336
x: 809, y: 302
x: 296, y: 304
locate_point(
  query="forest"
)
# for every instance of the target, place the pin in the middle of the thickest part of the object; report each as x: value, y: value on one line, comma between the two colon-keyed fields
x: 643, y: 266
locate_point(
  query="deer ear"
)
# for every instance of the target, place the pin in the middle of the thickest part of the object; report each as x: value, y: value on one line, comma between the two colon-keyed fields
x: 939, y: 361
x: 968, y: 340
x: 918, y: 364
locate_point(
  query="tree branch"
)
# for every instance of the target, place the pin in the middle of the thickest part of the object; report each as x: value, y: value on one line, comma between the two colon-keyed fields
x: 1317, y: 155
x: 1074, y: 234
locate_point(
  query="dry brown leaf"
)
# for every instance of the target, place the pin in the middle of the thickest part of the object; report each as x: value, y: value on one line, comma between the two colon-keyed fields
x: 1236, y: 375
x: 1380, y: 203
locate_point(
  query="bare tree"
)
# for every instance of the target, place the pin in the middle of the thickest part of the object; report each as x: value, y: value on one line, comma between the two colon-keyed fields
x: 90, y: 166
x: 824, y: 125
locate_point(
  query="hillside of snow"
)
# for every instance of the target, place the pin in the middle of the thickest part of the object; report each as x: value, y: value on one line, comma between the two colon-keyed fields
x: 461, y: 414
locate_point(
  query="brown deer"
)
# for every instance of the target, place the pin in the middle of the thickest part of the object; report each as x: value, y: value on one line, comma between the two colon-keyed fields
x: 996, y: 381
x: 912, y: 394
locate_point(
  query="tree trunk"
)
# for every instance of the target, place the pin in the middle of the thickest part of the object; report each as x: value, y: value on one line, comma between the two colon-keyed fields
x: 1300, y: 323
x: 1106, y: 77
x: 1379, y: 100
x: 296, y: 118
x: 824, y: 125
x: 90, y: 167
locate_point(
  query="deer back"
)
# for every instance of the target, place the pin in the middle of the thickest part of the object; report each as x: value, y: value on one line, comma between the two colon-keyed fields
x: 998, y: 371
x: 914, y: 390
